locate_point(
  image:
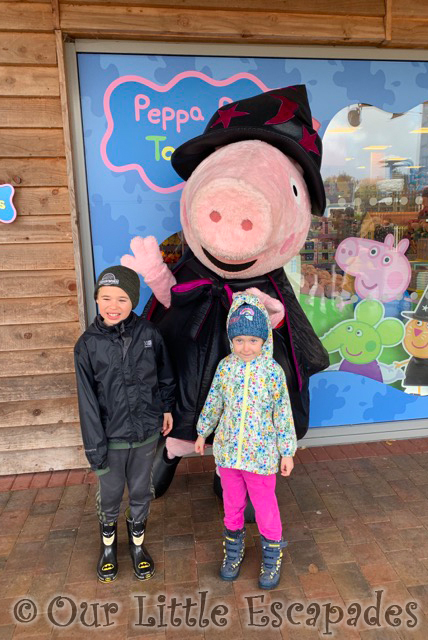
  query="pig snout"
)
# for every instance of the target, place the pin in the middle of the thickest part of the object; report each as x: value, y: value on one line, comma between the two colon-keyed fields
x: 347, y: 251
x: 232, y: 219
x: 246, y: 224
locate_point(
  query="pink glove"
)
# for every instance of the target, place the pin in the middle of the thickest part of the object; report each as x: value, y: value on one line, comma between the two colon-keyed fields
x: 148, y: 262
x: 177, y: 447
x: 274, y: 307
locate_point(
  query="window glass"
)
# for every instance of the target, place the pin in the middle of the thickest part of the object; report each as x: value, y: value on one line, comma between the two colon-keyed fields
x: 364, y: 266
x: 362, y: 273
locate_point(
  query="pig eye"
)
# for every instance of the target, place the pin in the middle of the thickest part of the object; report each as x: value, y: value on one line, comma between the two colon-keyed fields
x: 349, y: 328
x: 386, y: 260
x: 373, y: 252
x: 295, y: 190
x: 359, y: 333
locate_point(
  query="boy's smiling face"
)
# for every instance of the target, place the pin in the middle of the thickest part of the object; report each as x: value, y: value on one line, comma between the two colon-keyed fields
x: 247, y: 347
x: 114, y: 304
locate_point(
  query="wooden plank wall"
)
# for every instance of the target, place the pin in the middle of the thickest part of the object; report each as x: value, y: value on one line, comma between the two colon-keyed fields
x: 39, y: 325
x: 39, y: 319
x: 390, y: 23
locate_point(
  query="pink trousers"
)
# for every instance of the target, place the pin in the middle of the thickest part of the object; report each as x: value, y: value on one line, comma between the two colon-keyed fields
x: 261, y: 489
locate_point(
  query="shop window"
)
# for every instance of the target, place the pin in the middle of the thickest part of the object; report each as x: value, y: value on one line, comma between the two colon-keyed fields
x: 375, y: 174
x: 365, y: 263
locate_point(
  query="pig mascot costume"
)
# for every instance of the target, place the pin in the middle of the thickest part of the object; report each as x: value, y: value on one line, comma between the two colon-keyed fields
x: 253, y: 180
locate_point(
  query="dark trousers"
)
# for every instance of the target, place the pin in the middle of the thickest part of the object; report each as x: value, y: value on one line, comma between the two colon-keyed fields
x: 131, y: 466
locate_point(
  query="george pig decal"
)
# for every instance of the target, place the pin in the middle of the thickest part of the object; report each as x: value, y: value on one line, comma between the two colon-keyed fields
x: 381, y: 271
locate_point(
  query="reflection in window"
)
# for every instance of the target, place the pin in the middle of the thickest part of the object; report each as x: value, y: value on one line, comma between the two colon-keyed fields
x: 173, y: 248
x: 372, y: 243
x: 376, y: 180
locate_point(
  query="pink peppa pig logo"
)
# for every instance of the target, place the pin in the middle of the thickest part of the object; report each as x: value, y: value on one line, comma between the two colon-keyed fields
x: 146, y: 121
x: 381, y: 271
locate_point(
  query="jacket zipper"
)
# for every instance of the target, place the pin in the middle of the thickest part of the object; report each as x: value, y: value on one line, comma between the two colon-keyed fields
x: 243, y: 414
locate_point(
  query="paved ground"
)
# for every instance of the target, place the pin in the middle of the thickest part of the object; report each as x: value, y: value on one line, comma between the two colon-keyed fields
x: 356, y: 518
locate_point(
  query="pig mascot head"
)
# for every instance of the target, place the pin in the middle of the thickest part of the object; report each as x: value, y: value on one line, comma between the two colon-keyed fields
x: 253, y: 179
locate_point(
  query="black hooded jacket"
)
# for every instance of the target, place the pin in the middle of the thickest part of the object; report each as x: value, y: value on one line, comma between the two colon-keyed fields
x: 124, y: 384
x: 194, y: 330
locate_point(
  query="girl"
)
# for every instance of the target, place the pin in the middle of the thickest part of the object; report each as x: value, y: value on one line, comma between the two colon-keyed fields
x: 249, y: 403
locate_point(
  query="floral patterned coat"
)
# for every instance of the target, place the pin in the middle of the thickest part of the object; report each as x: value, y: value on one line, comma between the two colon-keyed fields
x: 249, y: 407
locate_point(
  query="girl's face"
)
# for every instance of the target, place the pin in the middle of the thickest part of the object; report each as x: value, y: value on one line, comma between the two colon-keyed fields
x: 247, y: 347
x: 114, y: 305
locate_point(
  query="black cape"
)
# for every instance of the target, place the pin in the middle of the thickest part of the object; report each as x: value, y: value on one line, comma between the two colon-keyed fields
x: 194, y: 330
x: 416, y: 373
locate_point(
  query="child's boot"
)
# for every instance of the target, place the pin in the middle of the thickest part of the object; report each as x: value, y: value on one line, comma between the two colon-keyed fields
x: 271, y: 562
x: 234, y: 551
x: 144, y: 567
x: 107, y: 564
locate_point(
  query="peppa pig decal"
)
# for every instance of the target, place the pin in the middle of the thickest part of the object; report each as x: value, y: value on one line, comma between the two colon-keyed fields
x: 382, y: 271
x: 360, y: 342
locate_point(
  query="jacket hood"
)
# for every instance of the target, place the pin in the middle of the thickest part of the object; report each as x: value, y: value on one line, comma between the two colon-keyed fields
x: 247, y: 298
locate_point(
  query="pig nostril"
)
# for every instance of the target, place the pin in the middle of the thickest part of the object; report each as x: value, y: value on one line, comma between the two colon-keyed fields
x: 215, y: 216
x: 247, y: 225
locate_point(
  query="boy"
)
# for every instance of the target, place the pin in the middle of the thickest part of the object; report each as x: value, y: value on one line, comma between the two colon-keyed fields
x: 125, y: 389
x: 249, y: 407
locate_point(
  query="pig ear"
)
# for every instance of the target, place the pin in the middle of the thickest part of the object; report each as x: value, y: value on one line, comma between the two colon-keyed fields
x: 389, y: 241
x: 403, y: 245
x: 315, y: 124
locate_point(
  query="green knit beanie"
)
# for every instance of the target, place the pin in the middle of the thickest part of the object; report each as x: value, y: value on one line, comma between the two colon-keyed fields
x: 118, y: 276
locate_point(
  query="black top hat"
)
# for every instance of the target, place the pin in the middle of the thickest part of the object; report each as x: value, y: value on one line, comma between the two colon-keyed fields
x: 281, y: 117
x: 421, y: 311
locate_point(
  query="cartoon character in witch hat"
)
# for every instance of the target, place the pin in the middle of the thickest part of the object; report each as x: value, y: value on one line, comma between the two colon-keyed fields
x: 253, y: 179
x: 416, y: 344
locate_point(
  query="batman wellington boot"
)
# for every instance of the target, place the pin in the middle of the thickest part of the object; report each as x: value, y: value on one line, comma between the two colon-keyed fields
x: 144, y: 567
x: 107, y: 564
